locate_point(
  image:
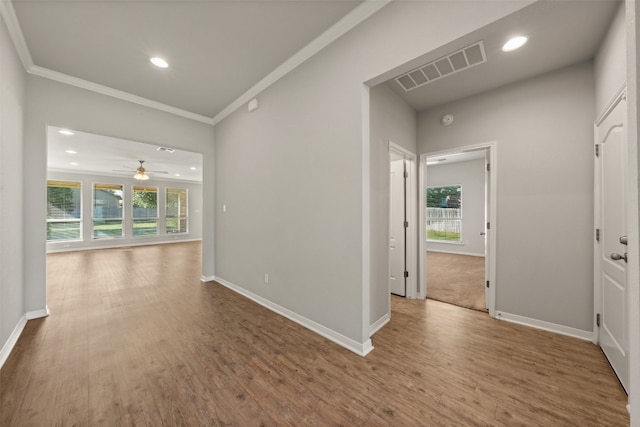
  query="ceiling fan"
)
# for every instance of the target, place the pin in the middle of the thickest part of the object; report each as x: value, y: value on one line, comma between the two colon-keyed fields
x: 141, y: 172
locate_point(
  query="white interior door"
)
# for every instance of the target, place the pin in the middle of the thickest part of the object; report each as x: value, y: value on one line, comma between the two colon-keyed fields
x: 487, y: 216
x: 397, y: 230
x: 611, y: 253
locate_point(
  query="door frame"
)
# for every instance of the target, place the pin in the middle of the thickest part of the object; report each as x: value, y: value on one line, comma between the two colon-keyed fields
x: 411, y: 213
x: 597, y: 220
x: 492, y: 147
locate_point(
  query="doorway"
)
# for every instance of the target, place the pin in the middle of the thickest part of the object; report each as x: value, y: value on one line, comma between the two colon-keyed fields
x: 457, y: 209
x: 402, y: 223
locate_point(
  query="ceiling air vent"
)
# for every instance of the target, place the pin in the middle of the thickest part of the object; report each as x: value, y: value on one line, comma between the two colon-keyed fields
x: 166, y: 150
x: 457, y: 61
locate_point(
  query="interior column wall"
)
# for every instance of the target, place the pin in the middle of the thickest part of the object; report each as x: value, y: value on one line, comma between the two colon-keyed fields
x: 12, y: 254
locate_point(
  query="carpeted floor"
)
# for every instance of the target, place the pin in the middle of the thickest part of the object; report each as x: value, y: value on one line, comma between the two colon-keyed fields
x: 456, y: 279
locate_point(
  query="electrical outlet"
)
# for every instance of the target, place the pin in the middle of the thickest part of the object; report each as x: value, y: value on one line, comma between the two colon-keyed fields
x: 266, y: 278
x: 224, y: 208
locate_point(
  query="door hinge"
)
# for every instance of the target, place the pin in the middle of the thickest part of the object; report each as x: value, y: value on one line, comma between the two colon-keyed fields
x: 488, y: 226
x: 406, y: 274
x: 406, y: 224
x: 598, y: 319
x: 597, y: 150
x: 597, y: 234
x: 487, y: 283
x: 406, y: 174
x: 488, y: 167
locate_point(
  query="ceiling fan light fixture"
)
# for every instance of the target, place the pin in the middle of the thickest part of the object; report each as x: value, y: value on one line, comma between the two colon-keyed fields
x: 141, y: 176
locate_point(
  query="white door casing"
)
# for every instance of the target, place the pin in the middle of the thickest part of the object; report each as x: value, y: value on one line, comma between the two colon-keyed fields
x: 490, y: 237
x: 610, y: 287
x: 487, y: 216
x: 397, y: 233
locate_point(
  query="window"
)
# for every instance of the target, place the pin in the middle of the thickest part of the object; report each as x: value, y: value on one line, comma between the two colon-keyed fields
x: 177, y: 217
x: 64, y: 206
x: 145, y: 211
x: 444, y: 213
x: 107, y: 211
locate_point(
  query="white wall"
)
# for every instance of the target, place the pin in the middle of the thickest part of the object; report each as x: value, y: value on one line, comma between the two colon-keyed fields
x: 633, y: 101
x: 544, y: 133
x: 391, y: 120
x: 295, y: 174
x: 12, y: 106
x: 194, y: 202
x: 610, y: 62
x: 57, y: 104
x: 470, y: 175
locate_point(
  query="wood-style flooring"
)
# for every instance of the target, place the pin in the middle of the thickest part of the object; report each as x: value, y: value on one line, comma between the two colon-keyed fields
x: 134, y: 338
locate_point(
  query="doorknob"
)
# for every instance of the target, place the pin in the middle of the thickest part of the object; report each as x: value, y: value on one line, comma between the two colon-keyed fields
x: 617, y: 257
x: 623, y: 240
x: 482, y: 233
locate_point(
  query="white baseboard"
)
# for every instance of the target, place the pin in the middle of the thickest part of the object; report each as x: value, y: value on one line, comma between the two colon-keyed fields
x: 71, y: 248
x: 361, y: 349
x: 454, y: 252
x: 545, y: 326
x: 38, y: 313
x: 13, y: 339
x: 378, y: 324
x: 207, y: 278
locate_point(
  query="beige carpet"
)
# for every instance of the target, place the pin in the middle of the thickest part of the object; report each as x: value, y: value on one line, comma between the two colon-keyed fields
x: 456, y: 279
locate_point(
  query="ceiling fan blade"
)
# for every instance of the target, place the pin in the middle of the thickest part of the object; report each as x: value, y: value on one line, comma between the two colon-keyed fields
x: 123, y: 170
x: 156, y: 171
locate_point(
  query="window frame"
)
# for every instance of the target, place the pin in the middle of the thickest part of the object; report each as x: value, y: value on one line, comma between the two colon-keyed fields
x: 78, y: 220
x: 135, y: 219
x: 457, y: 219
x: 108, y: 219
x: 179, y: 216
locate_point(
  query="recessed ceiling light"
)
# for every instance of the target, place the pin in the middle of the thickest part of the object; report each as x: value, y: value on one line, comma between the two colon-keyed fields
x: 177, y: 174
x: 159, y: 62
x: 73, y: 164
x: 193, y: 168
x: 65, y: 132
x: 71, y: 152
x: 514, y: 43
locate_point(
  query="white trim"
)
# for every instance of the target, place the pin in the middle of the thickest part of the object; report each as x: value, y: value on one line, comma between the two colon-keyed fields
x: 125, y: 245
x: 115, y: 93
x: 347, y: 23
x: 378, y: 324
x: 361, y: 349
x: 455, y: 253
x: 13, y: 26
x: 545, y: 326
x: 36, y: 314
x: 13, y: 338
x: 206, y: 279
x: 366, y: 212
x: 621, y: 94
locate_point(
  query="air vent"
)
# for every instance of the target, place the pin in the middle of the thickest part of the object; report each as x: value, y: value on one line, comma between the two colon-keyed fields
x: 454, y: 62
x: 166, y: 150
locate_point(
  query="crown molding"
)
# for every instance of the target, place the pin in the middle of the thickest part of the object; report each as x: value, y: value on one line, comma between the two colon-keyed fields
x: 11, y: 20
x: 347, y: 23
x: 115, y: 93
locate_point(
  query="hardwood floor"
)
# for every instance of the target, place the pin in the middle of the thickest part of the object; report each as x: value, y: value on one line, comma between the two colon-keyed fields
x: 134, y: 338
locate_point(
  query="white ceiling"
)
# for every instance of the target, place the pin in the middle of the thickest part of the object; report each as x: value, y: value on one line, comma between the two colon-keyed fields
x: 217, y: 50
x: 100, y: 155
x: 560, y: 33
